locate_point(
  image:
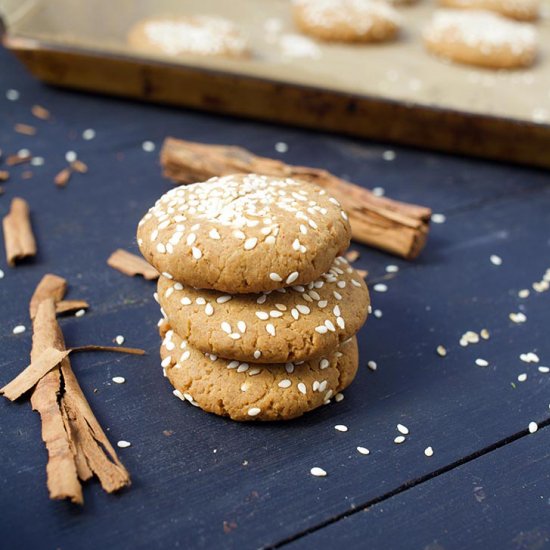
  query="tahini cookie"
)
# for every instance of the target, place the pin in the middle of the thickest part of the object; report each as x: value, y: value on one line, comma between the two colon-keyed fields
x: 481, y: 38
x: 346, y: 20
x: 198, y: 35
x: 244, y: 233
x: 246, y: 391
x: 288, y: 324
x: 522, y: 10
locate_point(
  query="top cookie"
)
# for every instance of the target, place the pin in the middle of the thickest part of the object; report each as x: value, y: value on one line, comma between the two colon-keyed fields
x: 347, y: 20
x: 522, y: 10
x: 198, y: 35
x: 244, y: 233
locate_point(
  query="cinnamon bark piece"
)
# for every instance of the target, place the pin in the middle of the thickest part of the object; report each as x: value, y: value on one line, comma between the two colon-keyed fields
x: 396, y: 227
x: 18, y: 236
x: 131, y: 265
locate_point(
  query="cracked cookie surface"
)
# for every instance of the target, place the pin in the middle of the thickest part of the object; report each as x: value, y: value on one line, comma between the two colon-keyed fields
x: 290, y: 324
x: 246, y: 391
x: 244, y: 233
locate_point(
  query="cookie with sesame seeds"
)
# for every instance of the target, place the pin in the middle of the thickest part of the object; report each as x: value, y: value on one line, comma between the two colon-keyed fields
x: 196, y: 35
x: 522, y: 10
x: 347, y: 20
x: 481, y: 38
x: 248, y: 391
x: 287, y: 324
x: 244, y: 233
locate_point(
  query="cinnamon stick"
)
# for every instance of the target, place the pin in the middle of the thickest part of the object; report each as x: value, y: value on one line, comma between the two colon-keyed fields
x: 131, y: 265
x: 396, y: 227
x: 18, y: 236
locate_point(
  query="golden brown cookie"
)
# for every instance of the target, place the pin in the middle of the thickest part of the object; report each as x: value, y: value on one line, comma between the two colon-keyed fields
x: 289, y: 324
x: 522, y: 10
x: 246, y: 391
x: 346, y: 20
x: 481, y: 38
x: 244, y: 233
x: 198, y: 35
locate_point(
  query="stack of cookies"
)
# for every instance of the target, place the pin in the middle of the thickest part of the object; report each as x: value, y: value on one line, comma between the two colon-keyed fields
x: 259, y: 310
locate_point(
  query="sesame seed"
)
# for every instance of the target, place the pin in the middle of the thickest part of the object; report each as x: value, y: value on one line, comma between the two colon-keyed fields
x: 522, y: 377
x: 281, y: 147
x: 262, y: 315
x: 533, y: 427
x: 226, y: 327
x: 275, y: 313
x: 339, y: 397
x: 428, y: 451
x: 518, y: 317
x: 304, y: 310
x: 185, y: 301
x: 200, y: 301
x: 197, y: 254
x: 438, y: 218
x: 286, y: 383
x: 1, y: 274
x: 378, y: 191
x: 496, y: 260
x: 324, y: 364
x: 12, y: 95
x: 380, y: 287
x: 213, y: 234
x: 209, y: 309
x: 482, y: 362
x: 257, y: 354
x: 341, y: 428
x: 235, y: 336
x: 544, y: 369
x: 377, y: 313
x: 363, y: 450
x: 275, y: 277
x: 292, y: 277
x: 250, y: 243
x: 233, y: 365
x: 254, y: 411
x: 70, y: 156
x: 37, y: 161
x: 322, y: 304
x: 19, y: 329
x: 484, y: 333
x: 161, y: 248
x: 148, y: 146
x: 241, y: 325
x: 223, y: 299
x: 402, y: 429
x: 399, y: 439
x: 329, y: 324
x: 123, y: 444
x: 270, y: 329
x: 88, y: 134
x: 372, y: 365
x: 179, y: 395
x: 322, y: 329
x: 119, y: 379
x: 524, y: 293
x: 80, y: 313
x: 441, y: 351
x: 119, y: 339
x: 388, y: 155
x: 317, y: 472
x: 302, y: 388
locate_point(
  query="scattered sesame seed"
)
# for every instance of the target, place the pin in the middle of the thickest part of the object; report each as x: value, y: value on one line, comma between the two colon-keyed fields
x: 302, y: 388
x: 428, y: 451
x: 275, y: 277
x: 377, y: 313
x: 518, y: 317
x: 88, y: 134
x: 254, y: 411
x: 378, y: 191
x: 522, y: 377
x: 257, y: 354
x: 339, y: 397
x: 402, y: 429
x: 1, y: 274
x: 496, y: 260
x: 148, y: 146
x: 482, y: 363
x: 19, y: 329
x: 388, y: 155
x: 441, y: 351
x: 119, y: 340
x: 70, y: 156
x: 399, y: 439
x: 119, y: 379
x: 544, y: 369
x: 12, y: 95
x: 281, y: 147
x: 123, y: 444
x: 37, y: 161
x: 439, y: 218
x: 484, y: 333
x: 341, y: 428
x: 197, y: 254
x: 270, y: 329
x: 533, y: 427
x: 380, y: 287
x: 372, y: 365
x: 318, y: 472
x: 285, y: 383
x: 363, y: 450
x: 223, y: 299
x: 292, y: 277
x: 524, y: 293
x: 392, y: 268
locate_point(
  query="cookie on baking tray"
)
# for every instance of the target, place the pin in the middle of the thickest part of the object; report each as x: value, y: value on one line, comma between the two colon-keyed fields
x: 244, y: 233
x: 289, y: 324
x: 481, y: 38
x: 197, y: 34
x: 245, y: 391
x: 346, y: 20
x: 522, y: 10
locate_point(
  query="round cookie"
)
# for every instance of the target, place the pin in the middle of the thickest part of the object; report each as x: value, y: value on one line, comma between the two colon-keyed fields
x: 346, y: 20
x: 198, y: 35
x: 481, y: 38
x: 244, y: 233
x: 522, y: 10
x: 289, y: 324
x: 255, y: 392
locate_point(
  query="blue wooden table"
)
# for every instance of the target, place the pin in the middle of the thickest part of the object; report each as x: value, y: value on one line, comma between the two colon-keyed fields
x: 200, y: 481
